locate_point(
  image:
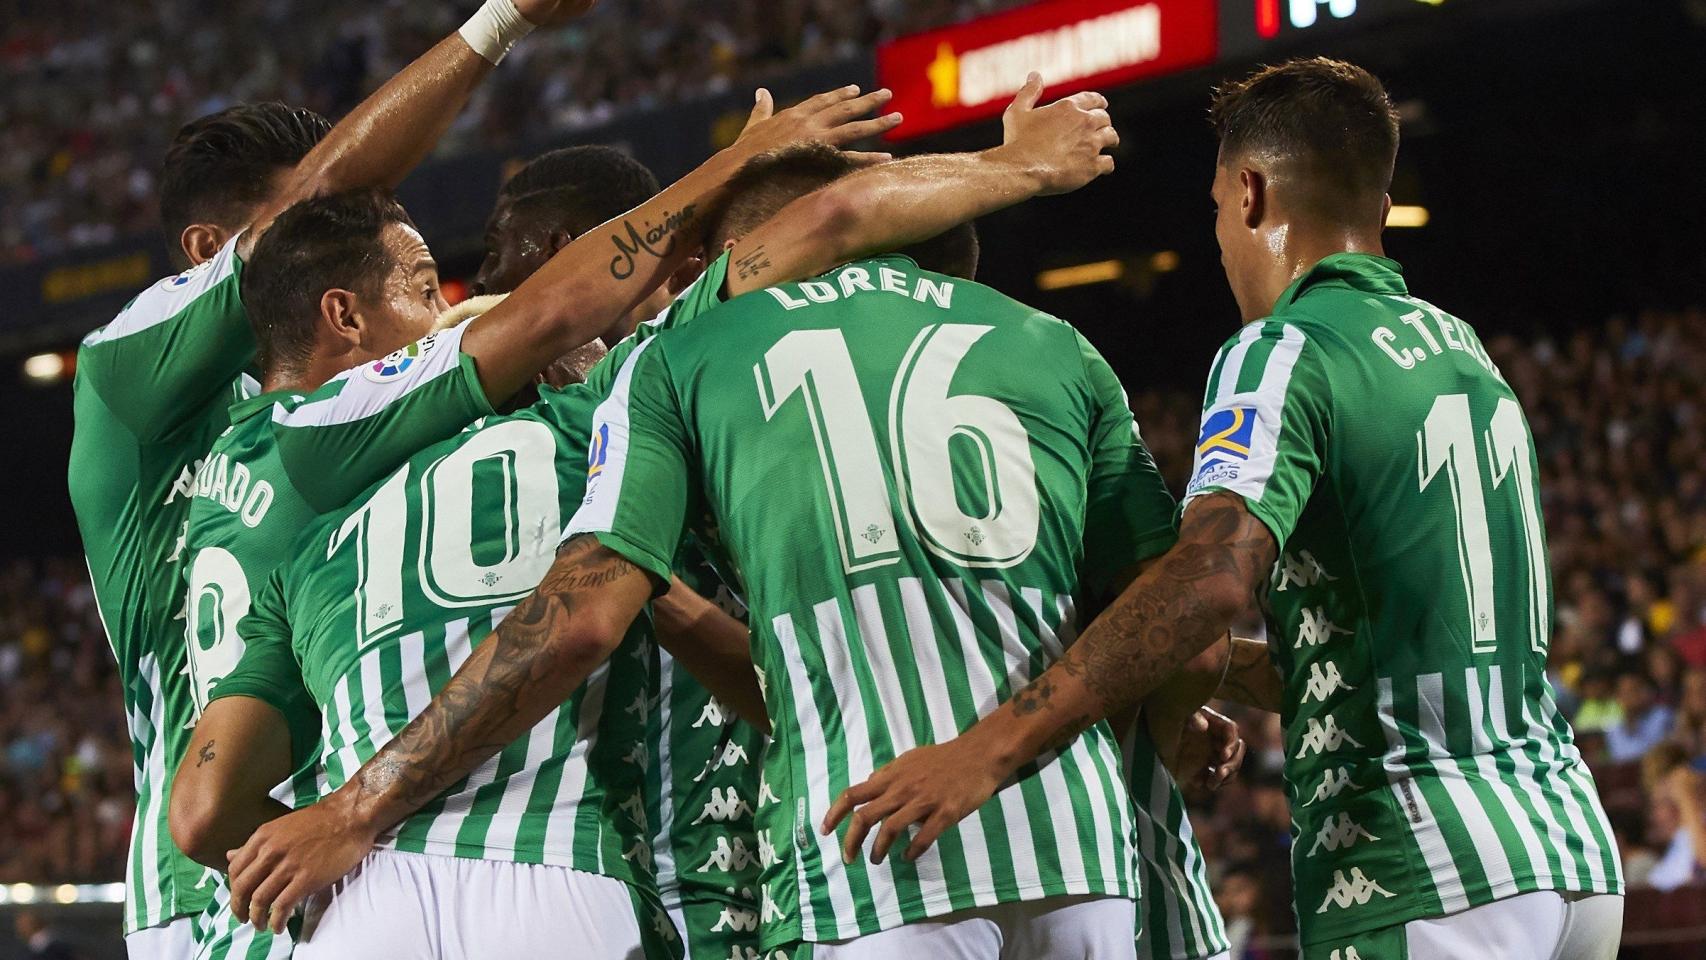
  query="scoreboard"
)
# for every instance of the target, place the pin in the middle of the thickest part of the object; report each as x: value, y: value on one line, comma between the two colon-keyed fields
x: 955, y: 75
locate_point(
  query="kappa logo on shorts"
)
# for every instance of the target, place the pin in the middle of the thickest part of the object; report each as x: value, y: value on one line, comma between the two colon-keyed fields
x: 1224, y: 444
x: 397, y: 362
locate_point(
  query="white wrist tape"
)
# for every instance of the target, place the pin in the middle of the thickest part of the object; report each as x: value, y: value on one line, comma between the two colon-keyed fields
x: 494, y: 29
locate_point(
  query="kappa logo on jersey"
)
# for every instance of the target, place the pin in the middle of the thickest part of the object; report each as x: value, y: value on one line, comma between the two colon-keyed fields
x: 1348, y: 953
x: 1333, y: 782
x: 1224, y: 443
x: 737, y: 919
x: 1319, y: 737
x: 397, y: 362
x: 1357, y: 889
x: 729, y: 856
x: 598, y: 451
x: 1324, y: 680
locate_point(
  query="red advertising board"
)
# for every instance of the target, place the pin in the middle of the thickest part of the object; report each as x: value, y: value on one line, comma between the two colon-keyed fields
x: 947, y: 77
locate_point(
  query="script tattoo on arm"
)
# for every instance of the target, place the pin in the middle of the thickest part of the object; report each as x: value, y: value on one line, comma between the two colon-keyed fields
x: 656, y: 240
x: 510, y: 682
x: 1180, y: 605
x: 205, y: 754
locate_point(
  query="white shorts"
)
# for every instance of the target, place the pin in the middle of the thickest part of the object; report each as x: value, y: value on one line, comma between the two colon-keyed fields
x: 169, y: 941
x: 1059, y: 928
x: 412, y: 906
x: 1546, y: 925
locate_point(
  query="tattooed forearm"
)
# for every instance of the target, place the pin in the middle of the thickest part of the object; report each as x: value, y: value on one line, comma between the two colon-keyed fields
x: 1179, y: 606
x: 205, y: 754
x: 656, y: 240
x: 509, y: 683
x: 1251, y: 678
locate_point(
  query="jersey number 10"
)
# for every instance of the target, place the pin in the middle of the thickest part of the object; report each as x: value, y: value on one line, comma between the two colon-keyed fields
x: 1446, y: 444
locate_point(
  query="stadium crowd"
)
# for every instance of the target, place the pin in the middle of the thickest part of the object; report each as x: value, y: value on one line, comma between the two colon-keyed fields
x: 1619, y: 418
x: 91, y: 92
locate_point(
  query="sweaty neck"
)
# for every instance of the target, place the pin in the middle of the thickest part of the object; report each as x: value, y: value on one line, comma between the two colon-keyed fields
x: 1295, y: 249
x: 310, y: 376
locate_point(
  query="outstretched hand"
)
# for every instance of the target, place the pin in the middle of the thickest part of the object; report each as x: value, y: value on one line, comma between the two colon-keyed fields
x: 1211, y: 752
x: 1063, y: 141
x: 931, y: 787
x: 832, y: 117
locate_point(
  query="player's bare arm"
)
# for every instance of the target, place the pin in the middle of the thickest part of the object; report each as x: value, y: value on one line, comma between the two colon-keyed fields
x: 1177, y: 608
x: 714, y: 647
x: 239, y: 751
x: 543, y: 651
x: 394, y: 129
x: 606, y: 271
x: 1251, y: 677
x: 1045, y: 150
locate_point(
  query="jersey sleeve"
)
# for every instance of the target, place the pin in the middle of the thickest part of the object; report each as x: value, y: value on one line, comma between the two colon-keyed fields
x: 178, y: 344
x: 268, y: 670
x: 1128, y: 510
x: 637, y: 463
x: 369, y: 419
x: 700, y: 297
x: 1267, y: 419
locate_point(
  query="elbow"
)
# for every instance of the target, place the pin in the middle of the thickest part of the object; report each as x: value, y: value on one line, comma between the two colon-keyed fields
x: 584, y: 646
x: 193, y: 819
x: 839, y: 213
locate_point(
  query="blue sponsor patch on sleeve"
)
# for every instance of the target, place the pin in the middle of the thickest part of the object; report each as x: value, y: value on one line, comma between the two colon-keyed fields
x: 1223, y: 445
x: 598, y: 451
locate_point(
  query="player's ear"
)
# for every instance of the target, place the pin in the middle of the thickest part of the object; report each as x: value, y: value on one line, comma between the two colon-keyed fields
x: 340, y: 317
x: 685, y: 274
x: 1253, y: 196
x: 558, y: 240
x: 1385, y: 209
x: 201, y: 241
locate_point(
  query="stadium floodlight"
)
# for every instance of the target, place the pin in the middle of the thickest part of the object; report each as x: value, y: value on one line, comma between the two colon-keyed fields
x: 65, y: 893
x: 23, y: 893
x: 1405, y: 215
x: 1102, y: 271
x: 44, y: 367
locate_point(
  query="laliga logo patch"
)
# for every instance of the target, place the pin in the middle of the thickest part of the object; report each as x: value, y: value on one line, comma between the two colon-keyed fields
x: 398, y: 362
x: 1224, y: 443
x: 598, y: 451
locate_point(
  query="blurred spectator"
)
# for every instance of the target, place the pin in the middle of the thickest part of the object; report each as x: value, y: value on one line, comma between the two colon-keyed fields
x: 91, y: 91
x: 1678, y: 793
x: 1646, y: 722
x: 40, y: 939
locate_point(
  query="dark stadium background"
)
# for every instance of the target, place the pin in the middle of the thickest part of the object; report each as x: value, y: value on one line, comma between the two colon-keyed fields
x: 1559, y: 148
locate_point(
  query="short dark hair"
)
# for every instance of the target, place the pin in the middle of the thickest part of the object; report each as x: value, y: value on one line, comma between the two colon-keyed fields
x: 1334, y: 119
x: 317, y: 245
x: 771, y: 181
x: 580, y: 187
x: 954, y: 251
x: 219, y: 167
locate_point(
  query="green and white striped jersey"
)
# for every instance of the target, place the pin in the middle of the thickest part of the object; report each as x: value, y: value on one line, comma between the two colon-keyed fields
x: 1410, y: 611
x: 1177, y: 918
x: 384, y: 600
x: 151, y: 394
x: 908, y: 472
x: 290, y: 458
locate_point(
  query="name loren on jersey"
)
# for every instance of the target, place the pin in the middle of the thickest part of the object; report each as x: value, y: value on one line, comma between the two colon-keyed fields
x: 854, y: 280
x: 231, y: 486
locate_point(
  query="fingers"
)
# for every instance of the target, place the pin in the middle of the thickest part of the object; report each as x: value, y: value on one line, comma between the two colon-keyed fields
x: 261, y: 903
x: 1104, y: 165
x: 1089, y: 100
x: 858, y: 106
x: 852, y: 132
x: 248, y: 868
x: 282, y: 908
x: 844, y: 804
x: 866, y: 158
x: 1028, y: 93
x: 932, y: 828
x: 763, y: 107
x: 863, y: 819
x: 1107, y: 137
x: 894, y: 825
x: 827, y: 99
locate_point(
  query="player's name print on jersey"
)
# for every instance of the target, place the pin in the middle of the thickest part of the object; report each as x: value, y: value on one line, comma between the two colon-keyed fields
x: 230, y: 485
x: 858, y: 280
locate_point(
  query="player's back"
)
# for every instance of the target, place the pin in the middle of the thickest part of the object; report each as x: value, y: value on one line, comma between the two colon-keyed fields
x: 150, y: 394
x: 1411, y: 602
x: 899, y: 465
x: 388, y: 596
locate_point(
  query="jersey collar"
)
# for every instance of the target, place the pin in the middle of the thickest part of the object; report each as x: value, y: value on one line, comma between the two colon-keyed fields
x: 1359, y: 271
x: 244, y: 409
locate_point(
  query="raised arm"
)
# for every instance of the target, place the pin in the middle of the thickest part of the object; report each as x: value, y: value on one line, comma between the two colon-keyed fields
x: 1175, y: 610
x: 389, y: 133
x: 538, y: 655
x: 606, y: 271
x: 1053, y: 149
